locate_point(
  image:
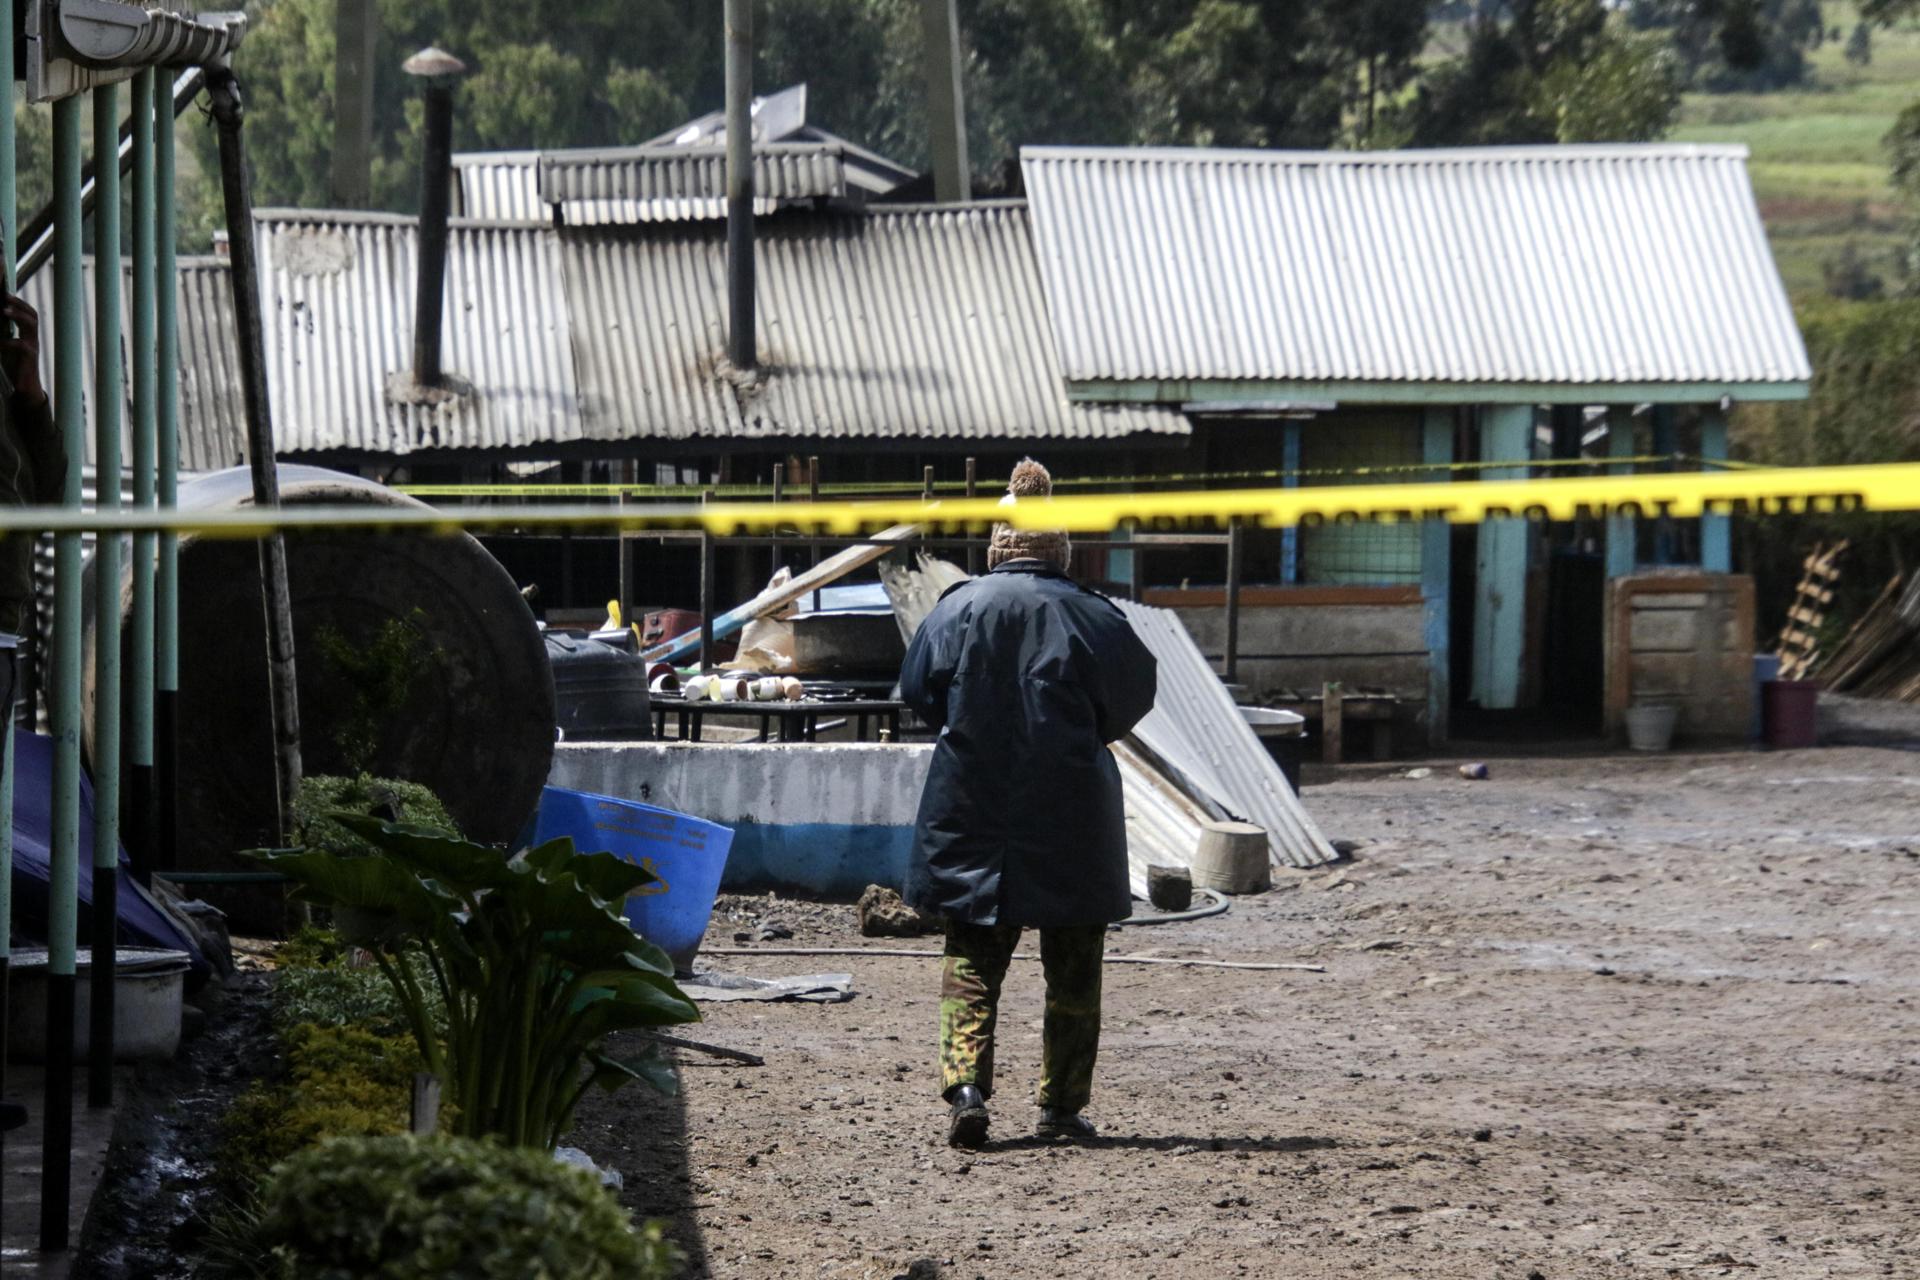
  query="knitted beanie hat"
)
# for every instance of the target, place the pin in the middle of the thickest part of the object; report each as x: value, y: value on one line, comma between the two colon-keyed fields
x: 1030, y: 480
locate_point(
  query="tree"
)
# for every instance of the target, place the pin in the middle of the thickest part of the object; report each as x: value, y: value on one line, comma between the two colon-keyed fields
x: 1726, y: 45
x: 550, y: 73
x: 542, y: 73
x: 1859, y: 49
x: 1546, y: 71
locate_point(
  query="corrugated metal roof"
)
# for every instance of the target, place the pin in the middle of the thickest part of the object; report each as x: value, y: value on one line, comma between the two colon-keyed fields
x: 905, y: 324
x: 212, y: 411
x: 781, y: 116
x: 663, y: 184
x: 1551, y: 265
x: 211, y: 419
x: 916, y: 323
x: 498, y: 186
x: 1197, y: 737
x: 338, y: 295
x: 616, y: 186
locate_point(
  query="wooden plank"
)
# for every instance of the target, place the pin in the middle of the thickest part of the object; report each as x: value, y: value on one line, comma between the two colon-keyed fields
x: 1668, y: 630
x: 1331, y: 709
x: 774, y: 599
x: 1282, y: 597
x: 1343, y: 631
x: 424, y: 1114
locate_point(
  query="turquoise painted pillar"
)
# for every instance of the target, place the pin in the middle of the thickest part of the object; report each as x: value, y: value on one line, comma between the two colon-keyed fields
x: 69, y: 390
x: 166, y: 672
x: 1500, y: 586
x: 1716, y: 531
x: 139, y: 736
x: 1620, y: 529
x: 1290, y: 536
x: 1436, y: 579
x: 1666, y: 443
x: 1120, y: 562
x: 107, y: 393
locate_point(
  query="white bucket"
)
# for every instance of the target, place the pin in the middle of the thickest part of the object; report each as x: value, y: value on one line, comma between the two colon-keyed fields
x: 149, y: 986
x: 1650, y: 725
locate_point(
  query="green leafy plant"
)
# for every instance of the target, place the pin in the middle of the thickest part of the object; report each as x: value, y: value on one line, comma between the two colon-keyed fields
x: 338, y: 995
x: 323, y: 796
x: 405, y: 1208
x: 377, y: 677
x: 338, y: 1081
x: 527, y: 954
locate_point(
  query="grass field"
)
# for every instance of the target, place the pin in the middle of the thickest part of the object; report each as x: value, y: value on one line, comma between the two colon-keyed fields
x: 1818, y: 164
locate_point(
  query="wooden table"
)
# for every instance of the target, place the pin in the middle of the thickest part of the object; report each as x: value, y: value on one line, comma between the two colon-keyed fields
x: 1334, y: 708
x: 798, y: 721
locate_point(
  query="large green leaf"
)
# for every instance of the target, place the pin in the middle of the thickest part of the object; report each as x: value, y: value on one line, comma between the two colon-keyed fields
x: 371, y: 887
x: 648, y: 1067
x: 606, y: 875
x: 461, y: 865
x: 635, y: 1001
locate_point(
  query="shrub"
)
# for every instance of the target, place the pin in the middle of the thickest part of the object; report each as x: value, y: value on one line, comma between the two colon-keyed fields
x: 339, y: 1081
x: 529, y: 959
x: 405, y: 1208
x: 324, y: 797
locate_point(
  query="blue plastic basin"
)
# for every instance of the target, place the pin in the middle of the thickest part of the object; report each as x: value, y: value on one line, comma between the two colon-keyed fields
x: 687, y: 853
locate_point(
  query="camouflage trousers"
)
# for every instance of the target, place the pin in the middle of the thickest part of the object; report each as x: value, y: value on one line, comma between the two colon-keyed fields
x: 975, y: 966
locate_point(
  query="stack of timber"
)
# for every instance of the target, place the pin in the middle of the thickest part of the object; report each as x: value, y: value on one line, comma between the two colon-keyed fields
x: 1880, y: 656
x: 1800, y: 637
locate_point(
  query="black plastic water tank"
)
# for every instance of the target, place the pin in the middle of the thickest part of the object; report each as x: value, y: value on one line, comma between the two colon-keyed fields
x: 599, y: 691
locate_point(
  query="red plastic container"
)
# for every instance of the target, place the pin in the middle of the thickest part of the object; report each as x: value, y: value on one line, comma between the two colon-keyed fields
x: 1789, y: 713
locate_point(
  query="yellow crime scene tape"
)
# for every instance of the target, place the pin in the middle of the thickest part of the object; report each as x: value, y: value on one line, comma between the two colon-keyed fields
x: 1761, y: 492
x: 851, y: 488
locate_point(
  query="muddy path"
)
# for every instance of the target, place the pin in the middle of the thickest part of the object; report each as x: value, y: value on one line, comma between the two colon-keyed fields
x: 1591, y: 1018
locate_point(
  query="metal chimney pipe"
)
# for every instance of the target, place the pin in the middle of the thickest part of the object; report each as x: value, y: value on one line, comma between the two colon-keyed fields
x: 740, y: 340
x: 439, y: 69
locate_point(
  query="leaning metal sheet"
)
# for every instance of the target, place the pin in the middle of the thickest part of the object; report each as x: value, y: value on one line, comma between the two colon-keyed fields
x: 1163, y: 822
x: 1196, y: 734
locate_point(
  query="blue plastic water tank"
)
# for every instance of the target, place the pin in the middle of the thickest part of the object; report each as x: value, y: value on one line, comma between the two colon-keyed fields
x: 687, y: 853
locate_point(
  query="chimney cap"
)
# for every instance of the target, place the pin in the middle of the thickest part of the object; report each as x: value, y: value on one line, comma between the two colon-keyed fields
x: 433, y: 63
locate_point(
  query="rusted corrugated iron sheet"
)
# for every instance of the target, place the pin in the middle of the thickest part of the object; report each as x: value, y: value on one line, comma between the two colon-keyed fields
x: 904, y: 324
x: 338, y: 300
x: 912, y: 323
x: 212, y: 429
x: 1555, y: 265
x: 1196, y: 736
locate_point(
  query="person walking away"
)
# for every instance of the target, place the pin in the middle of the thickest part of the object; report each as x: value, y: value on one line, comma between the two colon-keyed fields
x: 1027, y: 677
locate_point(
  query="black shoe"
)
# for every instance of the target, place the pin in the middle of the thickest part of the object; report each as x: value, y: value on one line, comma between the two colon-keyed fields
x: 967, y: 1122
x: 1057, y: 1123
x: 12, y: 1116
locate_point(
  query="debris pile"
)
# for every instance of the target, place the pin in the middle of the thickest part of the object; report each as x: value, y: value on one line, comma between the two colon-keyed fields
x: 1880, y: 656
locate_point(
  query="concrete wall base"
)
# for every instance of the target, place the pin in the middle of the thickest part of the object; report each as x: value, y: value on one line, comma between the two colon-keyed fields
x: 822, y: 819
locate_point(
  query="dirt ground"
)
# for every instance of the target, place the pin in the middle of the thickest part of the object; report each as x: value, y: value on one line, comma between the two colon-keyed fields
x: 1594, y: 1017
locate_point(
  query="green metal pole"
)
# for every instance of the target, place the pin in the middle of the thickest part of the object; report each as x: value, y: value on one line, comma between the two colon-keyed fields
x: 9, y: 231
x: 69, y: 380
x: 167, y: 447
x: 107, y: 393
x: 147, y: 109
